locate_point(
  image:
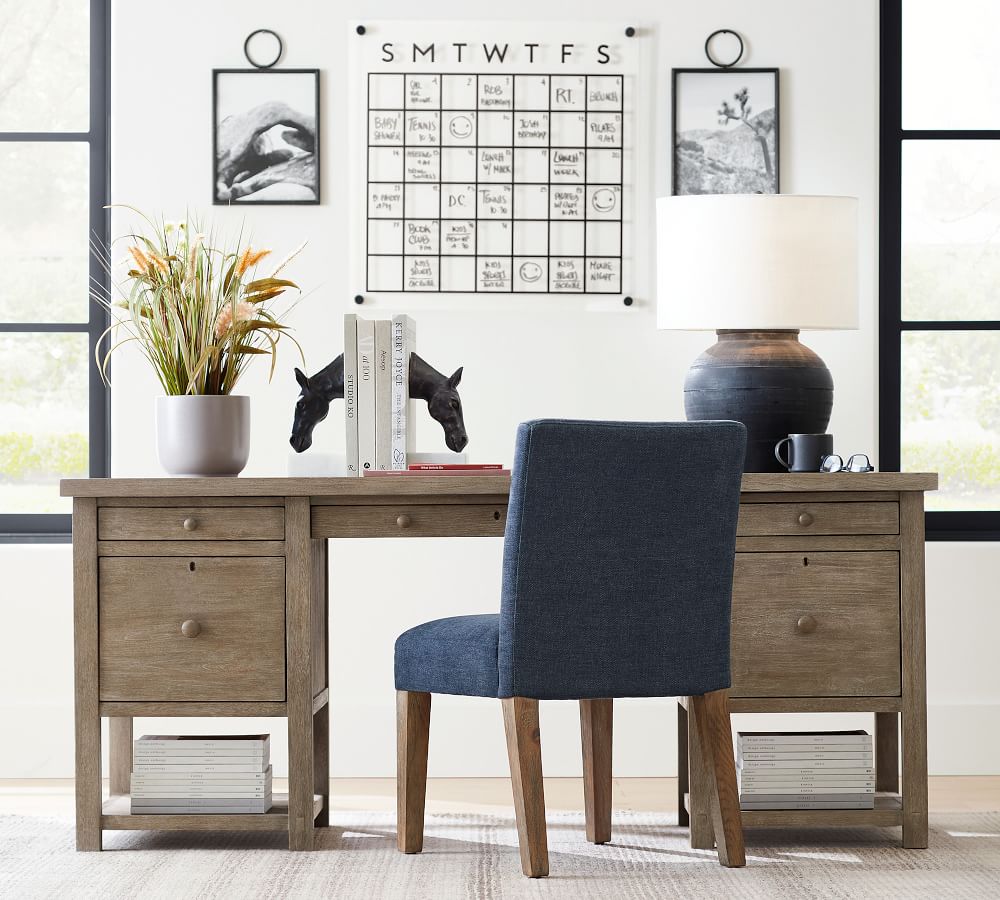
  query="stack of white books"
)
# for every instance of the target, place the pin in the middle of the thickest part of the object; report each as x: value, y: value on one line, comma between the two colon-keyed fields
x: 378, y: 412
x: 805, y: 770
x: 181, y: 774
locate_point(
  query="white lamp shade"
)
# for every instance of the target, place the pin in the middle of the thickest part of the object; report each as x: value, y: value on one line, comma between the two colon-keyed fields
x: 757, y: 262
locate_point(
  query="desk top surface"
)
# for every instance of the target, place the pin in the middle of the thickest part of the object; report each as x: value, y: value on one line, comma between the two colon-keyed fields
x: 492, y: 486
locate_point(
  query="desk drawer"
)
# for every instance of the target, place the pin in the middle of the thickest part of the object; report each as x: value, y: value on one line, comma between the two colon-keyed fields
x: 816, y: 625
x: 403, y: 520
x: 177, y: 523
x: 236, y: 606
x: 757, y: 519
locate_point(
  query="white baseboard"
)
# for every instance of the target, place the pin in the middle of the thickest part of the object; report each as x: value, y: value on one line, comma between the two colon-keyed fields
x: 467, y: 738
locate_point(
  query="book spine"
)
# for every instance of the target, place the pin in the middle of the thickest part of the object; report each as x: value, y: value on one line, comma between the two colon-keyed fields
x: 747, y: 740
x: 139, y: 809
x: 155, y: 754
x: 255, y: 743
x: 351, y: 391
x: 812, y: 774
x: 798, y: 787
x: 403, y: 425
x: 819, y: 758
x: 222, y: 769
x: 453, y: 467
x: 366, y: 395
x: 807, y: 748
x: 383, y: 394
x: 207, y: 794
x: 823, y: 793
x: 186, y: 777
x: 807, y: 804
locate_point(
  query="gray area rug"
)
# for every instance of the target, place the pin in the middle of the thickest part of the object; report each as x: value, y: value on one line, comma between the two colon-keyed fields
x: 475, y: 856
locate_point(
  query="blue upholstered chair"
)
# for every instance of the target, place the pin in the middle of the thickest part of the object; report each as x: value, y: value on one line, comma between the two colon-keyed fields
x: 617, y: 582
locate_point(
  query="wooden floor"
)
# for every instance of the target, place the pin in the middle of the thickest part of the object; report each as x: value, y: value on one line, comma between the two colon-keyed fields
x: 54, y: 797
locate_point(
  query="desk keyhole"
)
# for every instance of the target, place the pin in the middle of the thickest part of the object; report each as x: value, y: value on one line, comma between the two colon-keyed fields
x: 496, y: 516
x: 805, y: 561
x: 191, y: 566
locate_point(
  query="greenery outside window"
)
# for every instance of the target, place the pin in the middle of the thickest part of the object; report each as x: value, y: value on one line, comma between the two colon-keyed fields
x: 54, y: 87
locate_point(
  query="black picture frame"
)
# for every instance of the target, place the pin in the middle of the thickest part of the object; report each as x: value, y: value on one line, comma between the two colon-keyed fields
x: 722, y: 74
x: 316, y: 183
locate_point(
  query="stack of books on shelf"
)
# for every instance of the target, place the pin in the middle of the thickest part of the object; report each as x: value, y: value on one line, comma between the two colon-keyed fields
x: 805, y: 770
x: 379, y: 415
x: 180, y: 774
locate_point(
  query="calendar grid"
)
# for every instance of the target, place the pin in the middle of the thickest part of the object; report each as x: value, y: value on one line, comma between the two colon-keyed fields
x: 492, y: 182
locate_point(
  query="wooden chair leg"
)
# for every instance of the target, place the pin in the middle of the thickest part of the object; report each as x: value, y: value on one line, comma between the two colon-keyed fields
x: 524, y: 749
x: 712, y: 717
x: 413, y: 723
x: 596, y: 717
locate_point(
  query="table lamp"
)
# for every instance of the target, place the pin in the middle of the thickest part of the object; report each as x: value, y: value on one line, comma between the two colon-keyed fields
x: 756, y: 268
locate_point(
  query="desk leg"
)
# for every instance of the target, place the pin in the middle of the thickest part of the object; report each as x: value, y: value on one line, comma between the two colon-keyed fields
x: 299, y: 681
x: 887, y: 752
x: 321, y: 762
x: 699, y: 787
x: 120, y: 753
x: 914, y: 712
x: 85, y: 666
x: 683, y: 820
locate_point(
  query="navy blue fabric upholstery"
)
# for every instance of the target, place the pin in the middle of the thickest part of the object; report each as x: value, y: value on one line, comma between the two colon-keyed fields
x: 617, y: 572
x: 450, y: 656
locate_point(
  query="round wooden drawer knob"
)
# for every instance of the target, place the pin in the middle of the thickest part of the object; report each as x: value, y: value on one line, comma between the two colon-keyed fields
x: 190, y: 523
x: 190, y: 628
x: 805, y: 625
x: 805, y: 519
x: 404, y: 521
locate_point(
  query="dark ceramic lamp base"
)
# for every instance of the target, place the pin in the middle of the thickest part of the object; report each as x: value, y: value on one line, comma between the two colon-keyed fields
x: 768, y: 381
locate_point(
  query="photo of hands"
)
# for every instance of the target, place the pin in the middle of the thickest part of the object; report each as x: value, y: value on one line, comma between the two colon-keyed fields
x: 266, y: 136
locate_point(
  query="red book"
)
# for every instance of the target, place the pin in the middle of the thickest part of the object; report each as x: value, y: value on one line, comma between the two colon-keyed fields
x: 433, y: 473
x: 453, y: 467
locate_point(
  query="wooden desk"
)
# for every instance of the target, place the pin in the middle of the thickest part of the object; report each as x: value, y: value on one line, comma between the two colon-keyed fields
x: 246, y: 558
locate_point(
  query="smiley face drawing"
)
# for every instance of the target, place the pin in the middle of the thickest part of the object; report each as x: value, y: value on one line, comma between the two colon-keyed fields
x: 530, y: 272
x: 604, y: 200
x: 460, y: 127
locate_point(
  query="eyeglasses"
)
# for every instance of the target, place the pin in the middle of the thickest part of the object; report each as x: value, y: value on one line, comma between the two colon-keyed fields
x: 858, y: 462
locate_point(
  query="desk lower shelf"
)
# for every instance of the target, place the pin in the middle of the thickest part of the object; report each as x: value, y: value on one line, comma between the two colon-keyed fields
x: 116, y: 816
x: 888, y: 812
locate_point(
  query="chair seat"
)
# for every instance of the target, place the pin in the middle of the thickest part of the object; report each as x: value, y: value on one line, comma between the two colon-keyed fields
x: 457, y: 655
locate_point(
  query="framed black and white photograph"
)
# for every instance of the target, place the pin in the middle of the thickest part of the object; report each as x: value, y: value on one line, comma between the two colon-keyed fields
x: 725, y: 131
x: 266, y: 136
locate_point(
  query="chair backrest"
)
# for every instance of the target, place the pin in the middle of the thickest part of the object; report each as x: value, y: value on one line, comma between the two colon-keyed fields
x: 618, y: 559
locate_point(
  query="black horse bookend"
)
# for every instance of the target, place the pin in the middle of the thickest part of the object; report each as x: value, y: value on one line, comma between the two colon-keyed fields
x: 426, y: 383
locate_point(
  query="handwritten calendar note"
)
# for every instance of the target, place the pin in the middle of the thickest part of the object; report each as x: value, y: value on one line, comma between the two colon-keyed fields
x: 491, y: 162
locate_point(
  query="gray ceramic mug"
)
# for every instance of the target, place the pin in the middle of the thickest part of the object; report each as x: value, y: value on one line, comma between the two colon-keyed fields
x: 805, y: 451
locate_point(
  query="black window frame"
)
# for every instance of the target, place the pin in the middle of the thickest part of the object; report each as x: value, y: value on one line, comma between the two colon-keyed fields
x: 958, y: 525
x: 56, y: 527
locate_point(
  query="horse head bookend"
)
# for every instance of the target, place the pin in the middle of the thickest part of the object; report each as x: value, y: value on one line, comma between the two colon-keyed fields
x: 425, y: 383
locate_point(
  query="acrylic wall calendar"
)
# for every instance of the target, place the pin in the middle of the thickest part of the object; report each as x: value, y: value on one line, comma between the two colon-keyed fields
x: 492, y: 158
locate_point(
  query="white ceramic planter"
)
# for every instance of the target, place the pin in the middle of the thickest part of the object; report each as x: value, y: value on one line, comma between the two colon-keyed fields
x: 203, y: 435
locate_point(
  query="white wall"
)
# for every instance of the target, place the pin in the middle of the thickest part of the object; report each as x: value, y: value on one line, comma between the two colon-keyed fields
x: 588, y: 364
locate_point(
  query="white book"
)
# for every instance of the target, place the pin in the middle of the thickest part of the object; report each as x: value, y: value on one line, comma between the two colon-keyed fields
x: 235, y: 778
x: 820, y: 757
x: 766, y: 739
x: 239, y: 807
x: 207, y: 793
x: 216, y: 768
x: 808, y: 790
x: 818, y: 775
x: 351, y: 391
x: 404, y: 342
x: 383, y: 394
x: 187, y: 753
x: 366, y: 394
x: 256, y: 743
x: 807, y: 804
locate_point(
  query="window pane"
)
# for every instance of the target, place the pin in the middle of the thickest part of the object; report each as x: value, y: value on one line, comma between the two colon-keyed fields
x: 951, y: 415
x: 44, y: 66
x: 43, y: 419
x: 951, y: 230
x: 44, y: 232
x: 950, y: 75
